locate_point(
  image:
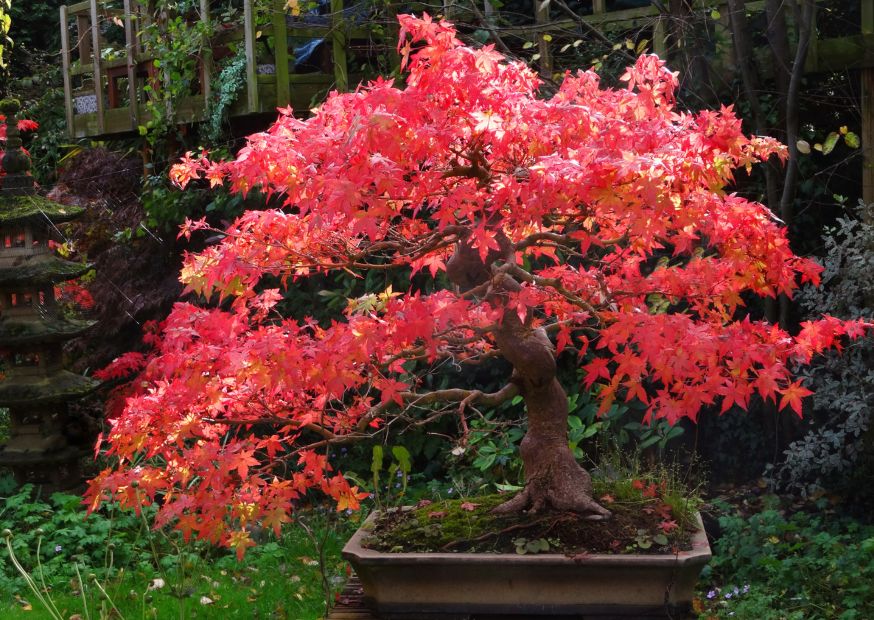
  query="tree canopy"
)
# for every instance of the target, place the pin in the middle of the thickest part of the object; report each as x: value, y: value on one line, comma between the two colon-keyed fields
x: 595, y: 219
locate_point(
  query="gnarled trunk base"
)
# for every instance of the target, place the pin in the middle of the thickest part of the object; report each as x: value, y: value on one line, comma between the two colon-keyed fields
x: 553, y: 480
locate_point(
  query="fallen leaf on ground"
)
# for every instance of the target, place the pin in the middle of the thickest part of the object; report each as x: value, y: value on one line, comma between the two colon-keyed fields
x: 469, y: 506
x: 156, y: 584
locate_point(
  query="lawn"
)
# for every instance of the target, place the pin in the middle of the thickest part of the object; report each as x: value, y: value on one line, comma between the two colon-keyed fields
x: 114, y: 561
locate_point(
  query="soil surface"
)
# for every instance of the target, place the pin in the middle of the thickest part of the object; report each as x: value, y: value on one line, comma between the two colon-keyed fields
x: 644, y: 525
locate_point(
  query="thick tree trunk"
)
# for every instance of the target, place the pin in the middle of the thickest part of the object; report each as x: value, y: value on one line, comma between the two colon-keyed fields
x: 553, y: 478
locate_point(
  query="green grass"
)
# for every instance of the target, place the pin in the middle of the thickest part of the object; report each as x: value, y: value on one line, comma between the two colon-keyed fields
x: 113, y: 558
x: 275, y: 580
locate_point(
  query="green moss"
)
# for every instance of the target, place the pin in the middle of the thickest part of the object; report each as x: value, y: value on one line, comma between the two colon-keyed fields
x: 14, y: 331
x: 469, y: 525
x: 10, y: 106
x: 60, y: 386
x: 48, y: 270
x: 16, y: 209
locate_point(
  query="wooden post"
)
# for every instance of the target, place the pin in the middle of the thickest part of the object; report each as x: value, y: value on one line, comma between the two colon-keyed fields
x: 867, y: 17
x: 206, y: 57
x: 868, y: 135
x: 280, y: 43
x: 599, y: 6
x: 251, y: 67
x: 541, y: 17
x: 95, y: 55
x: 83, y: 38
x: 65, y: 69
x: 659, y: 42
x: 338, y: 39
x: 867, y: 104
x: 488, y: 12
x: 130, y: 39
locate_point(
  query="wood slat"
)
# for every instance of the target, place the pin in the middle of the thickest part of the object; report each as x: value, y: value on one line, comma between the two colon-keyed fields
x: 130, y: 49
x: 251, y: 67
x: 65, y: 69
x: 95, y: 56
x: 350, y: 604
x: 281, y: 56
x: 338, y: 41
x: 206, y: 57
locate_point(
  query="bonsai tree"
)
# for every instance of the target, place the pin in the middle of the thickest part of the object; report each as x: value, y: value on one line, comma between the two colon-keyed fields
x: 596, y: 218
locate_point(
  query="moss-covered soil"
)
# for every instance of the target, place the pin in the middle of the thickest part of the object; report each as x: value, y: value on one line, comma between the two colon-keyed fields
x: 639, y: 525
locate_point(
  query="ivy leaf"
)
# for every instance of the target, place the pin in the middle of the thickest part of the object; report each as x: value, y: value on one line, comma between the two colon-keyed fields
x: 830, y: 141
x: 852, y: 140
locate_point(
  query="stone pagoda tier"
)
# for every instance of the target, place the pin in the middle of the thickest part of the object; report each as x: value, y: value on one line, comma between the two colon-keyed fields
x: 33, y: 384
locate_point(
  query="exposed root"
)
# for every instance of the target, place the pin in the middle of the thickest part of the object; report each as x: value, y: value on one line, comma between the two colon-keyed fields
x: 532, y: 502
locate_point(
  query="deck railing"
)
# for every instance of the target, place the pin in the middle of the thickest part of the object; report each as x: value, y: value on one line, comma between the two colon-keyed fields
x: 108, y: 96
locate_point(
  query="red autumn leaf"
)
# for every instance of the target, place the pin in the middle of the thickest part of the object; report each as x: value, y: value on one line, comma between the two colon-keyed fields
x: 668, y: 526
x: 467, y: 174
x: 437, y: 514
x: 792, y: 396
x: 468, y: 506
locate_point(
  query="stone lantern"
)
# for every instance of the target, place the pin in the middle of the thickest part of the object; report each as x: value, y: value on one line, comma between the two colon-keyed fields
x: 33, y: 328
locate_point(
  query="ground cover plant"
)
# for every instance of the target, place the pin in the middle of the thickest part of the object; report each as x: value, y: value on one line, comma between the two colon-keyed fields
x: 113, y: 564
x: 784, y: 559
x: 597, y: 217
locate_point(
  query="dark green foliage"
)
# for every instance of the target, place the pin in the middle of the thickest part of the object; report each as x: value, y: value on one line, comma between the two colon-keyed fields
x: 836, y: 451
x: 56, y: 527
x: 146, y: 574
x: 777, y: 565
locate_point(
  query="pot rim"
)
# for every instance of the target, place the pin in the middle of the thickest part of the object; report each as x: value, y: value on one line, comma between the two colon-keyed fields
x: 355, y: 551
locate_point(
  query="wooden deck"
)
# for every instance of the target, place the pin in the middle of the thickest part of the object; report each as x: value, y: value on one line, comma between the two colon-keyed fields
x: 108, y: 98
x: 105, y: 98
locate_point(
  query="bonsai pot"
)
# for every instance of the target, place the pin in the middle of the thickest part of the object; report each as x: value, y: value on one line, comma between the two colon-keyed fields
x: 445, y: 585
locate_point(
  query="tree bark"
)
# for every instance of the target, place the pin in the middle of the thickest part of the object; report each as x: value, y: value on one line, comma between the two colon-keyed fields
x: 553, y: 478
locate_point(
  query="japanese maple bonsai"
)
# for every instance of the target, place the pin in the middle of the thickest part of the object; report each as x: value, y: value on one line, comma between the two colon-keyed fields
x: 595, y: 218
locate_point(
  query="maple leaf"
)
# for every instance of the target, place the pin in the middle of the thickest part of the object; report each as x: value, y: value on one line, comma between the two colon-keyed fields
x: 668, y: 526
x: 591, y: 209
x: 239, y: 542
x: 792, y: 395
x: 437, y: 514
x: 469, y: 506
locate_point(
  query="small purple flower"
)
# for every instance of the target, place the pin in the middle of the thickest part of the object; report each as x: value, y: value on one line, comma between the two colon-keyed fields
x: 449, y: 491
x: 58, y: 548
x: 398, y: 485
x: 736, y: 591
x: 746, y: 588
x: 728, y: 596
x: 711, y: 594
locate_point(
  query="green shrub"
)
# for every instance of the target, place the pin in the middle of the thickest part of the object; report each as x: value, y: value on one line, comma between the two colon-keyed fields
x: 803, y: 565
